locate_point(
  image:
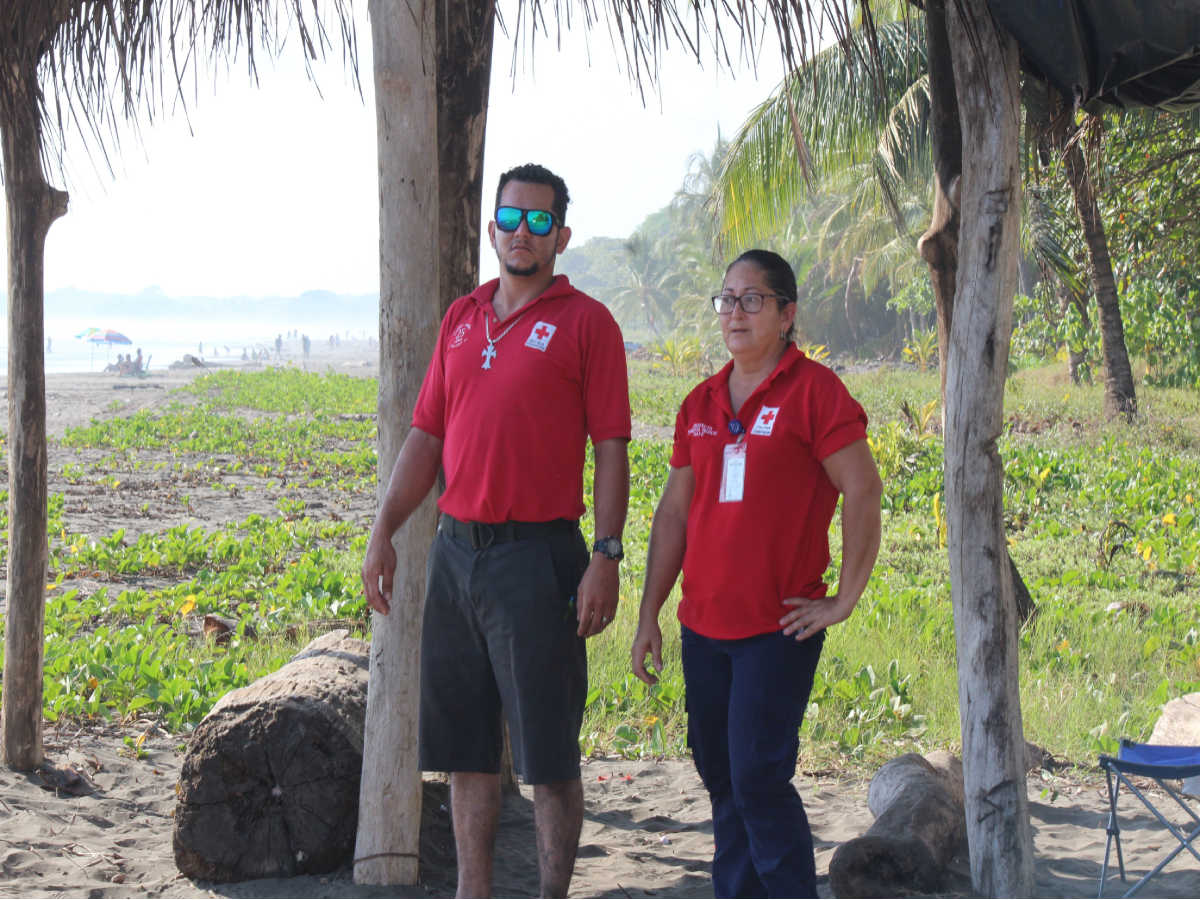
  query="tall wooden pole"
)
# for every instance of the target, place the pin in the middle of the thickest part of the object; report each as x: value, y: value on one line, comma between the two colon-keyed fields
x: 32, y: 206
x: 405, y: 65
x: 985, y: 615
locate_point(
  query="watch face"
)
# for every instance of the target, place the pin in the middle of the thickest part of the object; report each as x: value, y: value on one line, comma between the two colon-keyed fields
x: 610, y: 547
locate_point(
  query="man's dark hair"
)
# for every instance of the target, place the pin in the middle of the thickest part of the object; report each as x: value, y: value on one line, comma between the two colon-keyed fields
x: 779, y: 277
x: 532, y: 173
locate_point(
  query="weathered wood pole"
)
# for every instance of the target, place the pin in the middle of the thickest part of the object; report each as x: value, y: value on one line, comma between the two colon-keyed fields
x: 464, y: 37
x: 938, y: 246
x: 405, y: 66
x: 985, y: 616
x: 32, y: 207
x: 464, y: 52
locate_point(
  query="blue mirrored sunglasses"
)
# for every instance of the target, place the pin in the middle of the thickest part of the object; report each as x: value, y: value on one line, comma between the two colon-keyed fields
x: 540, y: 221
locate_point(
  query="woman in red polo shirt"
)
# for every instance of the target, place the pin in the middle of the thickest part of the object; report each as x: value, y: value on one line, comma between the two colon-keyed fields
x: 762, y: 451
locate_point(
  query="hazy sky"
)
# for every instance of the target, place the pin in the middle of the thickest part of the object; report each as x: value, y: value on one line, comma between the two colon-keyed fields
x: 273, y: 192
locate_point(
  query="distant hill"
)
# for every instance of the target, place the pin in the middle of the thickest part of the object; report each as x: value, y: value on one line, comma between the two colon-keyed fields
x: 153, y: 303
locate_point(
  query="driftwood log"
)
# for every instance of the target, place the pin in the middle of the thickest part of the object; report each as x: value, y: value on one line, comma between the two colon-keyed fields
x: 269, y: 786
x: 919, y: 827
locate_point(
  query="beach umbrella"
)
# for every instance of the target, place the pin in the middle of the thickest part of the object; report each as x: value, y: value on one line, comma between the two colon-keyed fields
x: 107, y: 336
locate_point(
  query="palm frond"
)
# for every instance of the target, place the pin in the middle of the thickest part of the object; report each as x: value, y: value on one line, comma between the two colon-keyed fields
x: 99, y: 62
x: 842, y: 103
x: 721, y: 29
x: 1045, y: 237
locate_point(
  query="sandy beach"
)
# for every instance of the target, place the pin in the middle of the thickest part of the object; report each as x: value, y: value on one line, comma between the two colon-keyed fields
x: 97, y: 820
x: 98, y: 824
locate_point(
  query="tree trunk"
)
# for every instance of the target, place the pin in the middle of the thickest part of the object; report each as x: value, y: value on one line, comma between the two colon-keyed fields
x: 269, y: 787
x: 919, y: 826
x: 32, y: 206
x: 405, y: 62
x: 986, y: 79
x: 1119, y: 396
x: 849, y: 301
x: 1076, y: 359
x: 938, y: 246
x: 464, y: 32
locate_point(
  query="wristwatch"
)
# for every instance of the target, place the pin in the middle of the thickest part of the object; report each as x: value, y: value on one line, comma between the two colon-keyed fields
x: 610, y: 547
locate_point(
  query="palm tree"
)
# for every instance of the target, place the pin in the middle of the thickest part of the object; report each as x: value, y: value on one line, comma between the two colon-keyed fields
x: 649, y: 288
x: 1120, y: 398
x: 83, y: 62
x: 763, y: 180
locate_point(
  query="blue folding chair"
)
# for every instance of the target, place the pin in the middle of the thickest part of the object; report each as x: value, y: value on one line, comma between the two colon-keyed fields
x: 1160, y: 763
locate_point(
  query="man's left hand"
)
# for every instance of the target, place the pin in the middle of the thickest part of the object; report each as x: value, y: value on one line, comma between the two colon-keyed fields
x: 596, y: 600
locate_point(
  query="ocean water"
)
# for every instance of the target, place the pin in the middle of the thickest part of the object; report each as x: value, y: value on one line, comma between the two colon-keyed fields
x: 164, y: 340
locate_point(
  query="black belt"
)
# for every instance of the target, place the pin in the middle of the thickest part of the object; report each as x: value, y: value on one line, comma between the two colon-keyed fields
x: 482, y: 535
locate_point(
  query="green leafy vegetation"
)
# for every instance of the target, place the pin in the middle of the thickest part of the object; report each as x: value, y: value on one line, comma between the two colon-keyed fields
x: 1102, y: 523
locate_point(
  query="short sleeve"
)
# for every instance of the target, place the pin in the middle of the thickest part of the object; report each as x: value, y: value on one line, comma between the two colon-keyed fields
x: 430, y: 412
x: 605, y: 377
x: 838, y: 420
x: 681, y: 452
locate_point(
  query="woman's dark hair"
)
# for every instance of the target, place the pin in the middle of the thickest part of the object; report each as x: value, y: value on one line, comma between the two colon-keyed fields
x: 779, y: 277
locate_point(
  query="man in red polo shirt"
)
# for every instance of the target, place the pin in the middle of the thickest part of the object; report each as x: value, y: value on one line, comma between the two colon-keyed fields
x: 525, y: 371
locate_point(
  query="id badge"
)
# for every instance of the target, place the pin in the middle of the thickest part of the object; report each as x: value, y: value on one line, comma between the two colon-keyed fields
x: 733, y: 473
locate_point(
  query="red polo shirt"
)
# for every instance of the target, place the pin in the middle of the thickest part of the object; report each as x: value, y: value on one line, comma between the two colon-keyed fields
x: 515, y: 433
x: 743, y: 558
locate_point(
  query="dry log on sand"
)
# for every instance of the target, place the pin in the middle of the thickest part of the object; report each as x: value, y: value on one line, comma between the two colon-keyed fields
x: 269, y: 786
x: 919, y: 826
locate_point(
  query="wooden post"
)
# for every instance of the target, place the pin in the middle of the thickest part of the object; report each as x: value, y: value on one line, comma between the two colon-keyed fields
x: 32, y: 206
x: 404, y: 46
x: 464, y: 34
x: 985, y: 618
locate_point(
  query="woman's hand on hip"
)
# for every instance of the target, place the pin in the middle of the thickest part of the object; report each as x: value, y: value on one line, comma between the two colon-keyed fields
x: 809, y: 615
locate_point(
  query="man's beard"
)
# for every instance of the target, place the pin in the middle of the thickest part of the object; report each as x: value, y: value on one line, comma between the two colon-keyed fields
x: 521, y: 271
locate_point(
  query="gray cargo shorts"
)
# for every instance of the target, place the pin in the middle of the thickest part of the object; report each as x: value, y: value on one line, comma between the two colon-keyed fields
x: 499, y: 639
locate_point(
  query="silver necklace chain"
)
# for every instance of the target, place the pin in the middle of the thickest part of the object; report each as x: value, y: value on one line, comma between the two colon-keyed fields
x: 489, y: 352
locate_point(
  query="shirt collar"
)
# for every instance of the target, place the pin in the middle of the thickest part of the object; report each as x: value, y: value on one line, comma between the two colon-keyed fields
x: 559, y: 287
x: 718, y: 385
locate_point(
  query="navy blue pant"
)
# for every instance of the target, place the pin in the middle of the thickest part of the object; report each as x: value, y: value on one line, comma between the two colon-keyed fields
x: 745, y: 702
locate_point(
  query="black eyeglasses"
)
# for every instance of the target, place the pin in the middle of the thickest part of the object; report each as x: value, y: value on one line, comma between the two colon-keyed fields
x: 751, y: 302
x: 540, y: 221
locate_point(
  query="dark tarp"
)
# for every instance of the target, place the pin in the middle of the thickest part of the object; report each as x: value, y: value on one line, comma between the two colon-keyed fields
x: 1123, y: 52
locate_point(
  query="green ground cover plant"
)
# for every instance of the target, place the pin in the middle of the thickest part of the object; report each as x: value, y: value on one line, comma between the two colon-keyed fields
x: 1101, y: 521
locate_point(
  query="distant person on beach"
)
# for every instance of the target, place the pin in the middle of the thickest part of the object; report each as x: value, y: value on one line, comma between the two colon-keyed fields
x: 305, y: 344
x: 762, y: 451
x: 137, y: 363
x: 279, y: 346
x: 525, y: 371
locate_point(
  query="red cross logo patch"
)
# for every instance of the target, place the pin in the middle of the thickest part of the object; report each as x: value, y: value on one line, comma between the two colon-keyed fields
x: 766, y: 420
x: 539, y: 336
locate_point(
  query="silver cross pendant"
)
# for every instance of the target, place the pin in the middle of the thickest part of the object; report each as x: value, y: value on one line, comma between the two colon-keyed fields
x: 488, y: 353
